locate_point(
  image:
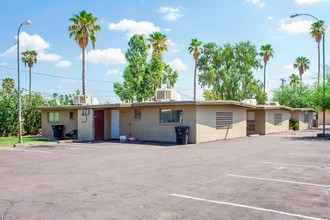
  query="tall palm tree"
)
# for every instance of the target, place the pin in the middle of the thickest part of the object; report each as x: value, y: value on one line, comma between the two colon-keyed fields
x: 302, y: 64
x: 8, y: 85
x: 196, y: 49
x: 266, y: 52
x: 317, y: 31
x: 158, y: 42
x: 84, y: 27
x: 29, y: 58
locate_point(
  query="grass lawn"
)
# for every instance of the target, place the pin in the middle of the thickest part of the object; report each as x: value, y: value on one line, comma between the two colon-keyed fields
x: 11, y: 141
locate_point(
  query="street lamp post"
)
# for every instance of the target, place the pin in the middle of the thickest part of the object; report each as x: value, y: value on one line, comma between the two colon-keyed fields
x: 323, y: 45
x: 27, y: 22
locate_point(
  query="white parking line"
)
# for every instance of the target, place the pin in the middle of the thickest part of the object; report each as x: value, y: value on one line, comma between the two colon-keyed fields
x: 294, y: 165
x: 30, y: 151
x: 248, y: 207
x: 311, y: 155
x: 277, y: 180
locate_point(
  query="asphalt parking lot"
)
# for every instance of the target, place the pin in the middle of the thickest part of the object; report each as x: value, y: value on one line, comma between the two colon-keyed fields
x: 280, y: 176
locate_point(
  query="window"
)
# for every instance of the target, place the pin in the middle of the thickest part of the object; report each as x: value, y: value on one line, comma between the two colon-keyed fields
x: 251, y: 121
x: 137, y: 114
x: 224, y: 120
x: 277, y: 119
x: 171, y: 116
x: 53, y: 116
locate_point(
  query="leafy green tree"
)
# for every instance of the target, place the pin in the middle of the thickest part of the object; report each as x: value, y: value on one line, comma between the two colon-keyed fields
x: 290, y: 96
x: 84, y: 27
x: 319, y: 98
x: 266, y: 52
x: 170, y: 76
x: 302, y: 64
x: 31, y: 116
x: 134, y: 73
x: 196, y: 49
x: 227, y: 71
x: 317, y: 31
x: 29, y: 58
x: 9, y: 113
x: 8, y: 106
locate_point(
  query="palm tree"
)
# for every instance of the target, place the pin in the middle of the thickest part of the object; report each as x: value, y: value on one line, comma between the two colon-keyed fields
x: 8, y: 85
x: 317, y: 31
x: 196, y: 49
x: 302, y: 64
x: 29, y: 57
x: 84, y: 27
x: 266, y: 52
x: 158, y: 43
x: 294, y: 81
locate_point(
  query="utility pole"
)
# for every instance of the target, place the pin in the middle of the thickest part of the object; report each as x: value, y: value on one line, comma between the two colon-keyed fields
x: 283, y: 81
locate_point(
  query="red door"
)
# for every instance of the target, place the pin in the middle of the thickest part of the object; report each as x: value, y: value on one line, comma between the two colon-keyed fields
x: 99, y: 124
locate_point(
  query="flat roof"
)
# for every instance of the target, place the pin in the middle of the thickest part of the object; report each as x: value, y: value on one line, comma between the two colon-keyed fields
x: 173, y: 103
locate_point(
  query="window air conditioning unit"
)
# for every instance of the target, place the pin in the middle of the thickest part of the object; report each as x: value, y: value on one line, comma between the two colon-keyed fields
x: 80, y: 100
x: 165, y: 95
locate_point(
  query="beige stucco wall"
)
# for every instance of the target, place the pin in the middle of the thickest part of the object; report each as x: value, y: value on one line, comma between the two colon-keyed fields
x: 206, y: 123
x: 86, y: 128
x: 149, y: 127
x: 270, y: 127
x: 327, y: 118
x: 64, y: 119
x: 300, y: 117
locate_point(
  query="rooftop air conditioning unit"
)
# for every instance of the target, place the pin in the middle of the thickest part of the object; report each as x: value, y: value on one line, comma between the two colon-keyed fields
x: 165, y: 95
x: 80, y: 100
x: 274, y: 104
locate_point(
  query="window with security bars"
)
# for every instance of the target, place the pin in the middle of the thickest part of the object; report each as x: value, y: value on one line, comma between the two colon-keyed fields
x: 224, y: 120
x: 278, y: 119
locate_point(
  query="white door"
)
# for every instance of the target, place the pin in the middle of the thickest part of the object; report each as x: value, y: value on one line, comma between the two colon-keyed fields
x: 115, y: 124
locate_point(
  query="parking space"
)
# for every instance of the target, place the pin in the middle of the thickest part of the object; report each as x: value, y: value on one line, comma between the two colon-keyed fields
x: 282, y: 176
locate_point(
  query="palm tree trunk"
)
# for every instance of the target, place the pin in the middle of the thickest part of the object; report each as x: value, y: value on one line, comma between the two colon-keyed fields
x: 195, y: 79
x: 265, y: 77
x: 318, y: 63
x: 83, y: 73
x: 30, y: 83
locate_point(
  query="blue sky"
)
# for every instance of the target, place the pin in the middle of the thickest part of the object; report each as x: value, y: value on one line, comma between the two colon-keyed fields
x: 228, y: 21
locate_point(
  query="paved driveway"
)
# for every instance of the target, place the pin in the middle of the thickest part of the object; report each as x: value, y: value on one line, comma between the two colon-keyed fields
x: 282, y: 176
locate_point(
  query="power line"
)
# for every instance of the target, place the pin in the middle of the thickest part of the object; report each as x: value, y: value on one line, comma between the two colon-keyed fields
x: 56, y: 76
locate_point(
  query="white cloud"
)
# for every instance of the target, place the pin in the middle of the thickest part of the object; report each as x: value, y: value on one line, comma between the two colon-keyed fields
x: 167, y: 30
x: 295, y: 27
x: 112, y: 72
x: 3, y: 64
x: 31, y: 42
x: 177, y: 64
x: 174, y: 47
x: 48, y: 57
x: 309, y: 2
x: 258, y: 3
x: 132, y: 27
x: 63, y: 64
x: 106, y: 57
x: 270, y: 18
x: 171, y: 14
